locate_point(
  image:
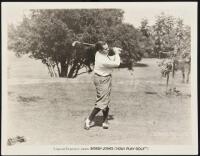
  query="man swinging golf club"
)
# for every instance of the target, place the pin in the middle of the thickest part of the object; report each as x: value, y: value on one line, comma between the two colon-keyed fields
x: 104, y: 65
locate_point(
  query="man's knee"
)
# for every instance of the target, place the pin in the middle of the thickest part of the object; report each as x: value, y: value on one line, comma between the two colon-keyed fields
x: 105, y: 109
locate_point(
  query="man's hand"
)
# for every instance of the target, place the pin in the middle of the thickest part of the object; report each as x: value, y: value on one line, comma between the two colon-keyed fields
x: 117, y: 50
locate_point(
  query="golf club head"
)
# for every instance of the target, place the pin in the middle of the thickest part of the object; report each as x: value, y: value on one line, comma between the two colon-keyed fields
x: 74, y: 43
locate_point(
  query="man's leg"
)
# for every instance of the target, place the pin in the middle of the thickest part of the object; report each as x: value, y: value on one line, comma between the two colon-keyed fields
x: 105, y: 117
x: 94, y: 113
x: 91, y: 117
x: 105, y: 114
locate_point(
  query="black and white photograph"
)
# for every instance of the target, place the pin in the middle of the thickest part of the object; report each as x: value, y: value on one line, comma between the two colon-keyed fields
x: 99, y: 78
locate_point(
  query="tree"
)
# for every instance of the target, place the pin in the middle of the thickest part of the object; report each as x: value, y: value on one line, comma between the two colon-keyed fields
x: 47, y: 35
x: 163, y: 34
x: 182, y: 38
x: 42, y: 37
x: 170, y: 34
x: 127, y: 37
x: 172, y: 39
x: 146, y: 40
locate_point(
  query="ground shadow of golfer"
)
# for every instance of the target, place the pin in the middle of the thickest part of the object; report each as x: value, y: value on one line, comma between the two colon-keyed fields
x: 140, y: 65
x: 99, y: 119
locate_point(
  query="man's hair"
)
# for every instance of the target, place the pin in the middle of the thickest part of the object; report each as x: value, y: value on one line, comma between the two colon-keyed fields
x: 99, y: 45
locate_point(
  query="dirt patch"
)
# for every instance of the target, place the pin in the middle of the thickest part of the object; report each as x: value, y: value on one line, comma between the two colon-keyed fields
x: 28, y: 99
x: 151, y: 92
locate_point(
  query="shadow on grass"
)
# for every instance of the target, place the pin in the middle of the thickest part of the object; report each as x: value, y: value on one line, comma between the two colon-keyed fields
x: 140, y: 65
x: 125, y: 65
x: 28, y: 99
x: 150, y: 92
x: 99, y: 119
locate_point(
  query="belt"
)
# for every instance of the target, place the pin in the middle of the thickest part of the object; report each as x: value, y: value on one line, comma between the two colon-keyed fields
x: 102, y: 75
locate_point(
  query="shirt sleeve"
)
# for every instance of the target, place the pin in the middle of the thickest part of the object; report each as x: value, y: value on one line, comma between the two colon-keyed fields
x: 111, y: 63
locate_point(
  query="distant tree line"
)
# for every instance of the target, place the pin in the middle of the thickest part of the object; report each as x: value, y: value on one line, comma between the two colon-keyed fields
x: 47, y: 35
x: 167, y: 35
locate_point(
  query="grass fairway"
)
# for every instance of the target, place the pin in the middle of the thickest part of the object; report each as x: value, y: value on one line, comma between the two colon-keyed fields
x: 51, y: 111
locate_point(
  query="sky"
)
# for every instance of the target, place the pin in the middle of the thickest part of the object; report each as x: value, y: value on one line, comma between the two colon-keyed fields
x: 134, y: 12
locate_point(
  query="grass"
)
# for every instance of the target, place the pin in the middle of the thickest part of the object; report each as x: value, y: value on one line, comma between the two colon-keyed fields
x: 51, y: 111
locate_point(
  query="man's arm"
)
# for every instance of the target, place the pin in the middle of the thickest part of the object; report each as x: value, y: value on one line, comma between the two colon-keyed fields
x: 112, y: 63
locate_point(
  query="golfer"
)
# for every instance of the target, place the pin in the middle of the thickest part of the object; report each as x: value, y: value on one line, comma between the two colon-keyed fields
x: 104, y: 65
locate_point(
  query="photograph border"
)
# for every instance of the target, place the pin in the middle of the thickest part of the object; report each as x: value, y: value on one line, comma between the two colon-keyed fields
x: 51, y: 150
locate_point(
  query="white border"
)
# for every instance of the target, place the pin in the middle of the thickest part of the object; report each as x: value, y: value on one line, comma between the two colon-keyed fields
x: 21, y: 150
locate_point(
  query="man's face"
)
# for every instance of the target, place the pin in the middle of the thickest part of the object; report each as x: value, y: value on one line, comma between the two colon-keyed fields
x: 105, y: 49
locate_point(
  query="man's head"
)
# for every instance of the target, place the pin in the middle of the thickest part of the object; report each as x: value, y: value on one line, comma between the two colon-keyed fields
x: 102, y: 47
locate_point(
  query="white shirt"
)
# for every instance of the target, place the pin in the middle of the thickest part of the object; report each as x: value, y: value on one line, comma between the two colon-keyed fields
x: 104, y: 64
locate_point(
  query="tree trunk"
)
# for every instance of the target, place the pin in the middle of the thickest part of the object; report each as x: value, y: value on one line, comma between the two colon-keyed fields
x: 54, y: 72
x: 50, y: 72
x: 59, y: 74
x: 167, y: 79
x: 63, y: 72
x: 173, y: 69
x: 72, y: 70
x: 67, y: 65
x: 77, y: 69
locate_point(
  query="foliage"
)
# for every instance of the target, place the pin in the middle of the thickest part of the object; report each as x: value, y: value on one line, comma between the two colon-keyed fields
x: 170, y: 34
x: 165, y: 66
x: 146, y: 39
x: 163, y: 34
x: 182, y: 38
x: 48, y: 35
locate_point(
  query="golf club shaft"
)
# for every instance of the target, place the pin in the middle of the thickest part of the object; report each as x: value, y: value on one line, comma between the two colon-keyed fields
x: 87, y: 44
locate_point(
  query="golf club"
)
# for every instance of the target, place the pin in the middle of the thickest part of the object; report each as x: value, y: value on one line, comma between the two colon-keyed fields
x: 111, y: 50
x: 75, y: 42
